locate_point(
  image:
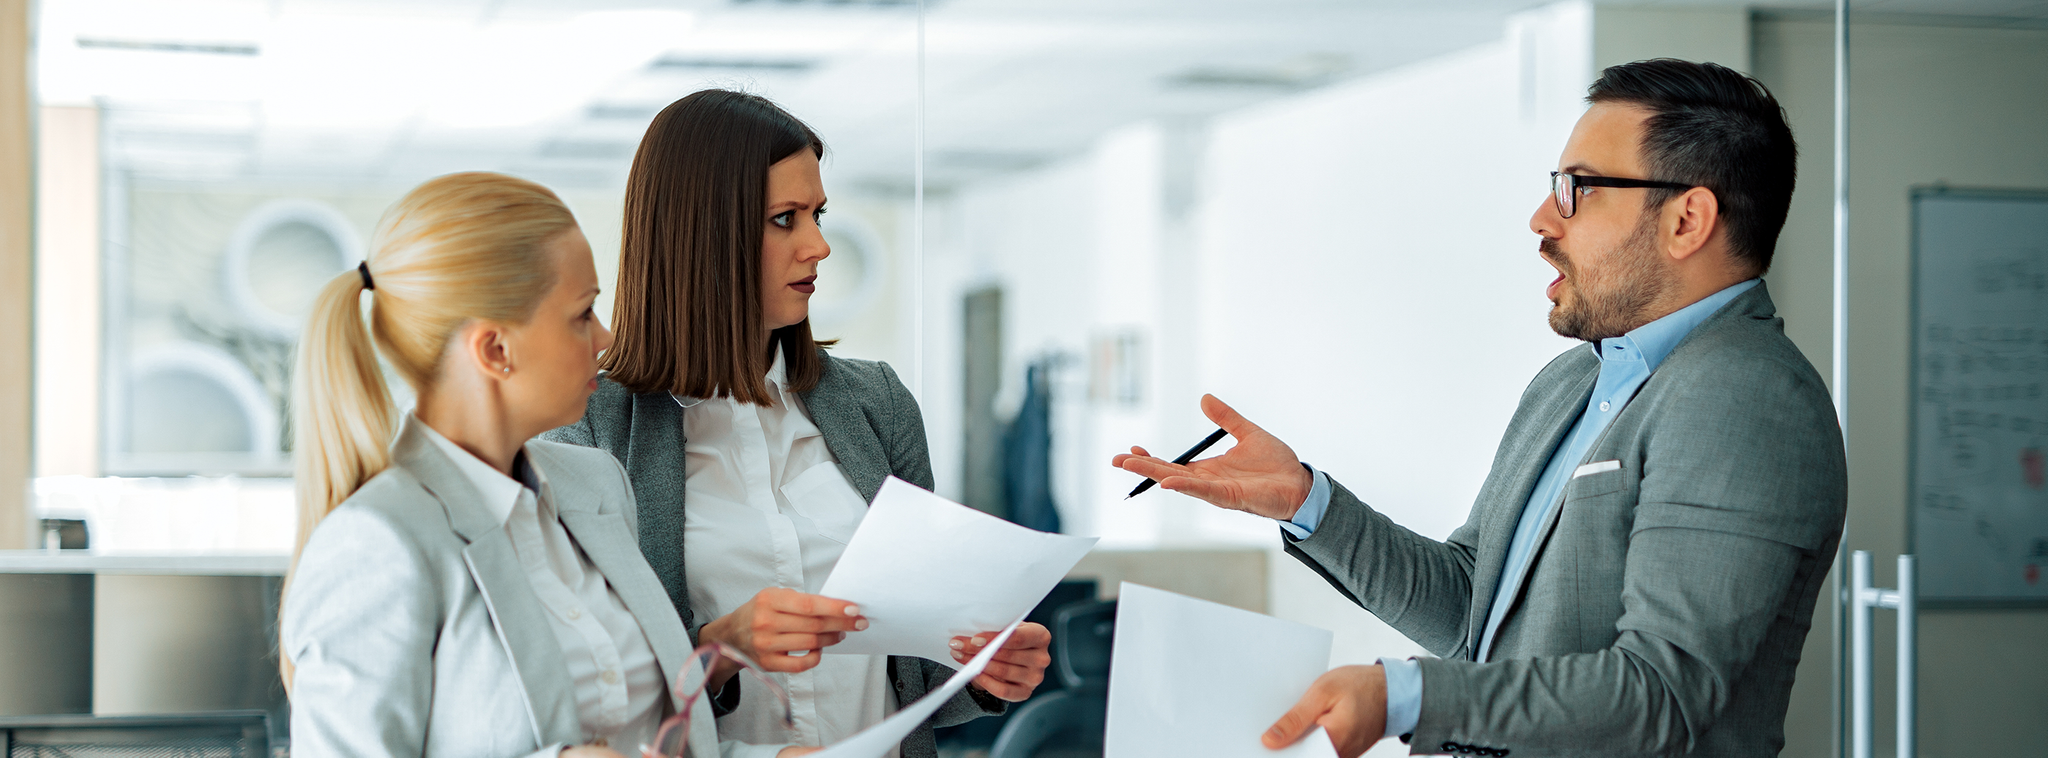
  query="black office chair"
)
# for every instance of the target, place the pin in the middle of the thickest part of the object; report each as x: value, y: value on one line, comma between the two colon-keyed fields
x: 220, y: 734
x: 1068, y: 723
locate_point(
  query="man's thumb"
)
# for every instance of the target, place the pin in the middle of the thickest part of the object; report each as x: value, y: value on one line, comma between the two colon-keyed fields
x: 1296, y: 723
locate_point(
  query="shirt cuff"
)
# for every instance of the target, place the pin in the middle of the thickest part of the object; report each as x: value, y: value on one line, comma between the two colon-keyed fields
x: 1404, y: 695
x: 1311, y: 511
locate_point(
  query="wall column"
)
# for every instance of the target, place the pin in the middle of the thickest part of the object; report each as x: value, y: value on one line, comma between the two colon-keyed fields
x: 17, y: 200
x: 67, y: 297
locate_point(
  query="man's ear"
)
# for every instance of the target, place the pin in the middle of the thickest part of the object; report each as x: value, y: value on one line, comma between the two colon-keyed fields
x: 1694, y: 219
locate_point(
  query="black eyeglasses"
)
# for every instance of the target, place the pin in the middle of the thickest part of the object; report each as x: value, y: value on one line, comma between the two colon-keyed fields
x: 1564, y: 188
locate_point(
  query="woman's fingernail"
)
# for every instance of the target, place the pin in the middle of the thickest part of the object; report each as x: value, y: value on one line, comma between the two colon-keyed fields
x: 853, y: 610
x: 860, y: 625
x: 955, y: 644
x: 978, y: 642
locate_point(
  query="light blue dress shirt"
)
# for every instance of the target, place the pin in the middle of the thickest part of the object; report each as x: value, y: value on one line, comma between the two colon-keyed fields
x: 1625, y: 363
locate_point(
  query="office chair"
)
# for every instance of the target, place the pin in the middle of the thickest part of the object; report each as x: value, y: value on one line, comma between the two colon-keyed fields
x: 1068, y: 723
x: 220, y: 734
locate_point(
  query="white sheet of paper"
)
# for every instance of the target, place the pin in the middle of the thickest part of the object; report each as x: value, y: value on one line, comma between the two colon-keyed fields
x: 924, y: 569
x: 876, y: 740
x: 1191, y: 677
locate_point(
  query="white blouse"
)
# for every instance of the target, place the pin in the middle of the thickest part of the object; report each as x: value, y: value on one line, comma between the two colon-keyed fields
x: 768, y: 506
x: 618, y: 683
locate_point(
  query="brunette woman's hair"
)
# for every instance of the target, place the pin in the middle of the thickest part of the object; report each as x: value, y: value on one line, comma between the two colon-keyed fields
x: 688, y: 314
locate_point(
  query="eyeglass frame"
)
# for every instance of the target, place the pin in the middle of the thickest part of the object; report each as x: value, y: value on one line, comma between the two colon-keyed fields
x: 708, y: 655
x: 1567, y: 201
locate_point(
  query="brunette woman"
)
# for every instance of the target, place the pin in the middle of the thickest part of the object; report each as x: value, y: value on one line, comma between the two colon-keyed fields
x: 753, y: 451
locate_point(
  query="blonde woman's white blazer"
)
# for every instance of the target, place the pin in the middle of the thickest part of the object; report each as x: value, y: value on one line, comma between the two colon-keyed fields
x: 414, y: 629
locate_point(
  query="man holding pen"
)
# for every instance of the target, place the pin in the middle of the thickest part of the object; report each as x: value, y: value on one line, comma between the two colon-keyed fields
x: 1640, y: 569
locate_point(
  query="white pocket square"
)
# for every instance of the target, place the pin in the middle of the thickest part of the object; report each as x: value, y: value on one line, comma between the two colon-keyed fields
x: 1596, y: 467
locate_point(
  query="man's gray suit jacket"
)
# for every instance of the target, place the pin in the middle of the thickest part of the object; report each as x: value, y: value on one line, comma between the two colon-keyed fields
x: 1667, y: 600
x: 874, y: 429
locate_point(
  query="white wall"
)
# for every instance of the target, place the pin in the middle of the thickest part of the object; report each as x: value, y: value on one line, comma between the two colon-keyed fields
x: 1351, y: 268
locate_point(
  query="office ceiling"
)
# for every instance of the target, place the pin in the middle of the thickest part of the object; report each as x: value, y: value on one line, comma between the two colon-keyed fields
x: 388, y: 92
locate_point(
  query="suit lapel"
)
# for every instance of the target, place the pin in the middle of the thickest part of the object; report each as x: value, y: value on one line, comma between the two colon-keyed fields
x: 612, y: 549
x: 605, y: 538
x: 836, y: 410
x: 528, y: 636
x: 654, y: 462
x: 1535, y: 434
x: 516, y: 614
x: 654, y: 445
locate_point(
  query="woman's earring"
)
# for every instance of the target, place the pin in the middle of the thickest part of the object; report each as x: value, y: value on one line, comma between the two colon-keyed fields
x: 508, y: 369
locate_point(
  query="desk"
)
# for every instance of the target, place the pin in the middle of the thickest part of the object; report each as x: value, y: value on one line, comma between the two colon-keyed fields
x: 131, y: 634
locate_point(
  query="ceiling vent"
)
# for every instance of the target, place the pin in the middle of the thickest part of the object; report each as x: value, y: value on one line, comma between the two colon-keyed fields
x: 840, y: 3
x: 169, y: 46
x: 622, y: 111
x: 1297, y: 74
x: 587, y: 151
x: 682, y: 64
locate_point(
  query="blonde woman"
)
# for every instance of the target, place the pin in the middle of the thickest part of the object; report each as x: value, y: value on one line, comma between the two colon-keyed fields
x: 462, y: 589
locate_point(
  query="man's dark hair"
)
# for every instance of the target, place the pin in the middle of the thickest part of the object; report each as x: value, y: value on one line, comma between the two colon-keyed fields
x: 1713, y: 127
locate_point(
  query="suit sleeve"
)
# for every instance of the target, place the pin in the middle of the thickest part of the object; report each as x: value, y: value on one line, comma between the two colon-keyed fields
x: 1741, y: 484
x: 1417, y: 585
x: 359, y: 626
x: 966, y: 705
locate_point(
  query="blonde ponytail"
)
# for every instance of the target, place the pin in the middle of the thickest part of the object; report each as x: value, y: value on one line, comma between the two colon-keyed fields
x: 342, y: 415
x: 459, y: 248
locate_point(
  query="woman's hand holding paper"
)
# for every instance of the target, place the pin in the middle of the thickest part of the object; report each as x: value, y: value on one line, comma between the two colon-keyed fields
x: 782, y: 629
x: 1017, y: 668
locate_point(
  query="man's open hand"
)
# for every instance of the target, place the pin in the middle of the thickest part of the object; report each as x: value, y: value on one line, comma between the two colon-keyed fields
x: 1259, y: 475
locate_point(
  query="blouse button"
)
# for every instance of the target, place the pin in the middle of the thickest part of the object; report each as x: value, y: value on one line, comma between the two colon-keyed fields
x: 611, y: 676
x: 1603, y: 406
x: 575, y: 614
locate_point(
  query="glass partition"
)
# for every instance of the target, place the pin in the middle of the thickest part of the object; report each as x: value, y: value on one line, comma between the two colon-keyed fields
x: 1943, y: 209
x: 244, y: 151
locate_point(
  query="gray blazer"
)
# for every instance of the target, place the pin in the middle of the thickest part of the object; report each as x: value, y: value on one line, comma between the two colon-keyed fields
x: 415, y: 631
x: 872, y: 426
x: 1667, y: 602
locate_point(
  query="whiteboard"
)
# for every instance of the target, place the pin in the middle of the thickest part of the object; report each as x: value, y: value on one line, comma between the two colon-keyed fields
x: 1979, y: 474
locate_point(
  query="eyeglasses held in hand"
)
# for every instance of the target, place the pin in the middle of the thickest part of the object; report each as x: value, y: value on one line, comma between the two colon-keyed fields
x: 1564, y: 188
x: 674, y: 734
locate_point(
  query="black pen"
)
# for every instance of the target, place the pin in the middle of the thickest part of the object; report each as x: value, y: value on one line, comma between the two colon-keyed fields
x: 1212, y: 439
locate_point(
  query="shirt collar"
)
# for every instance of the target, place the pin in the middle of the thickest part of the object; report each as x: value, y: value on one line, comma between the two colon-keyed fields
x: 1651, y: 342
x: 778, y: 380
x: 500, y: 492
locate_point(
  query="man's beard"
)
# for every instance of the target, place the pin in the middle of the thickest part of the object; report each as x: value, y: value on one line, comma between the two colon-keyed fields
x: 1641, y: 279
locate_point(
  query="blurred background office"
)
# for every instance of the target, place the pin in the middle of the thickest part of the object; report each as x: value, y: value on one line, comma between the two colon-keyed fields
x: 1036, y: 210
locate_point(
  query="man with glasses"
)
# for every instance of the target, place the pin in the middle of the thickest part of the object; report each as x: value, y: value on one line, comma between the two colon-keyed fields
x: 1640, y: 569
